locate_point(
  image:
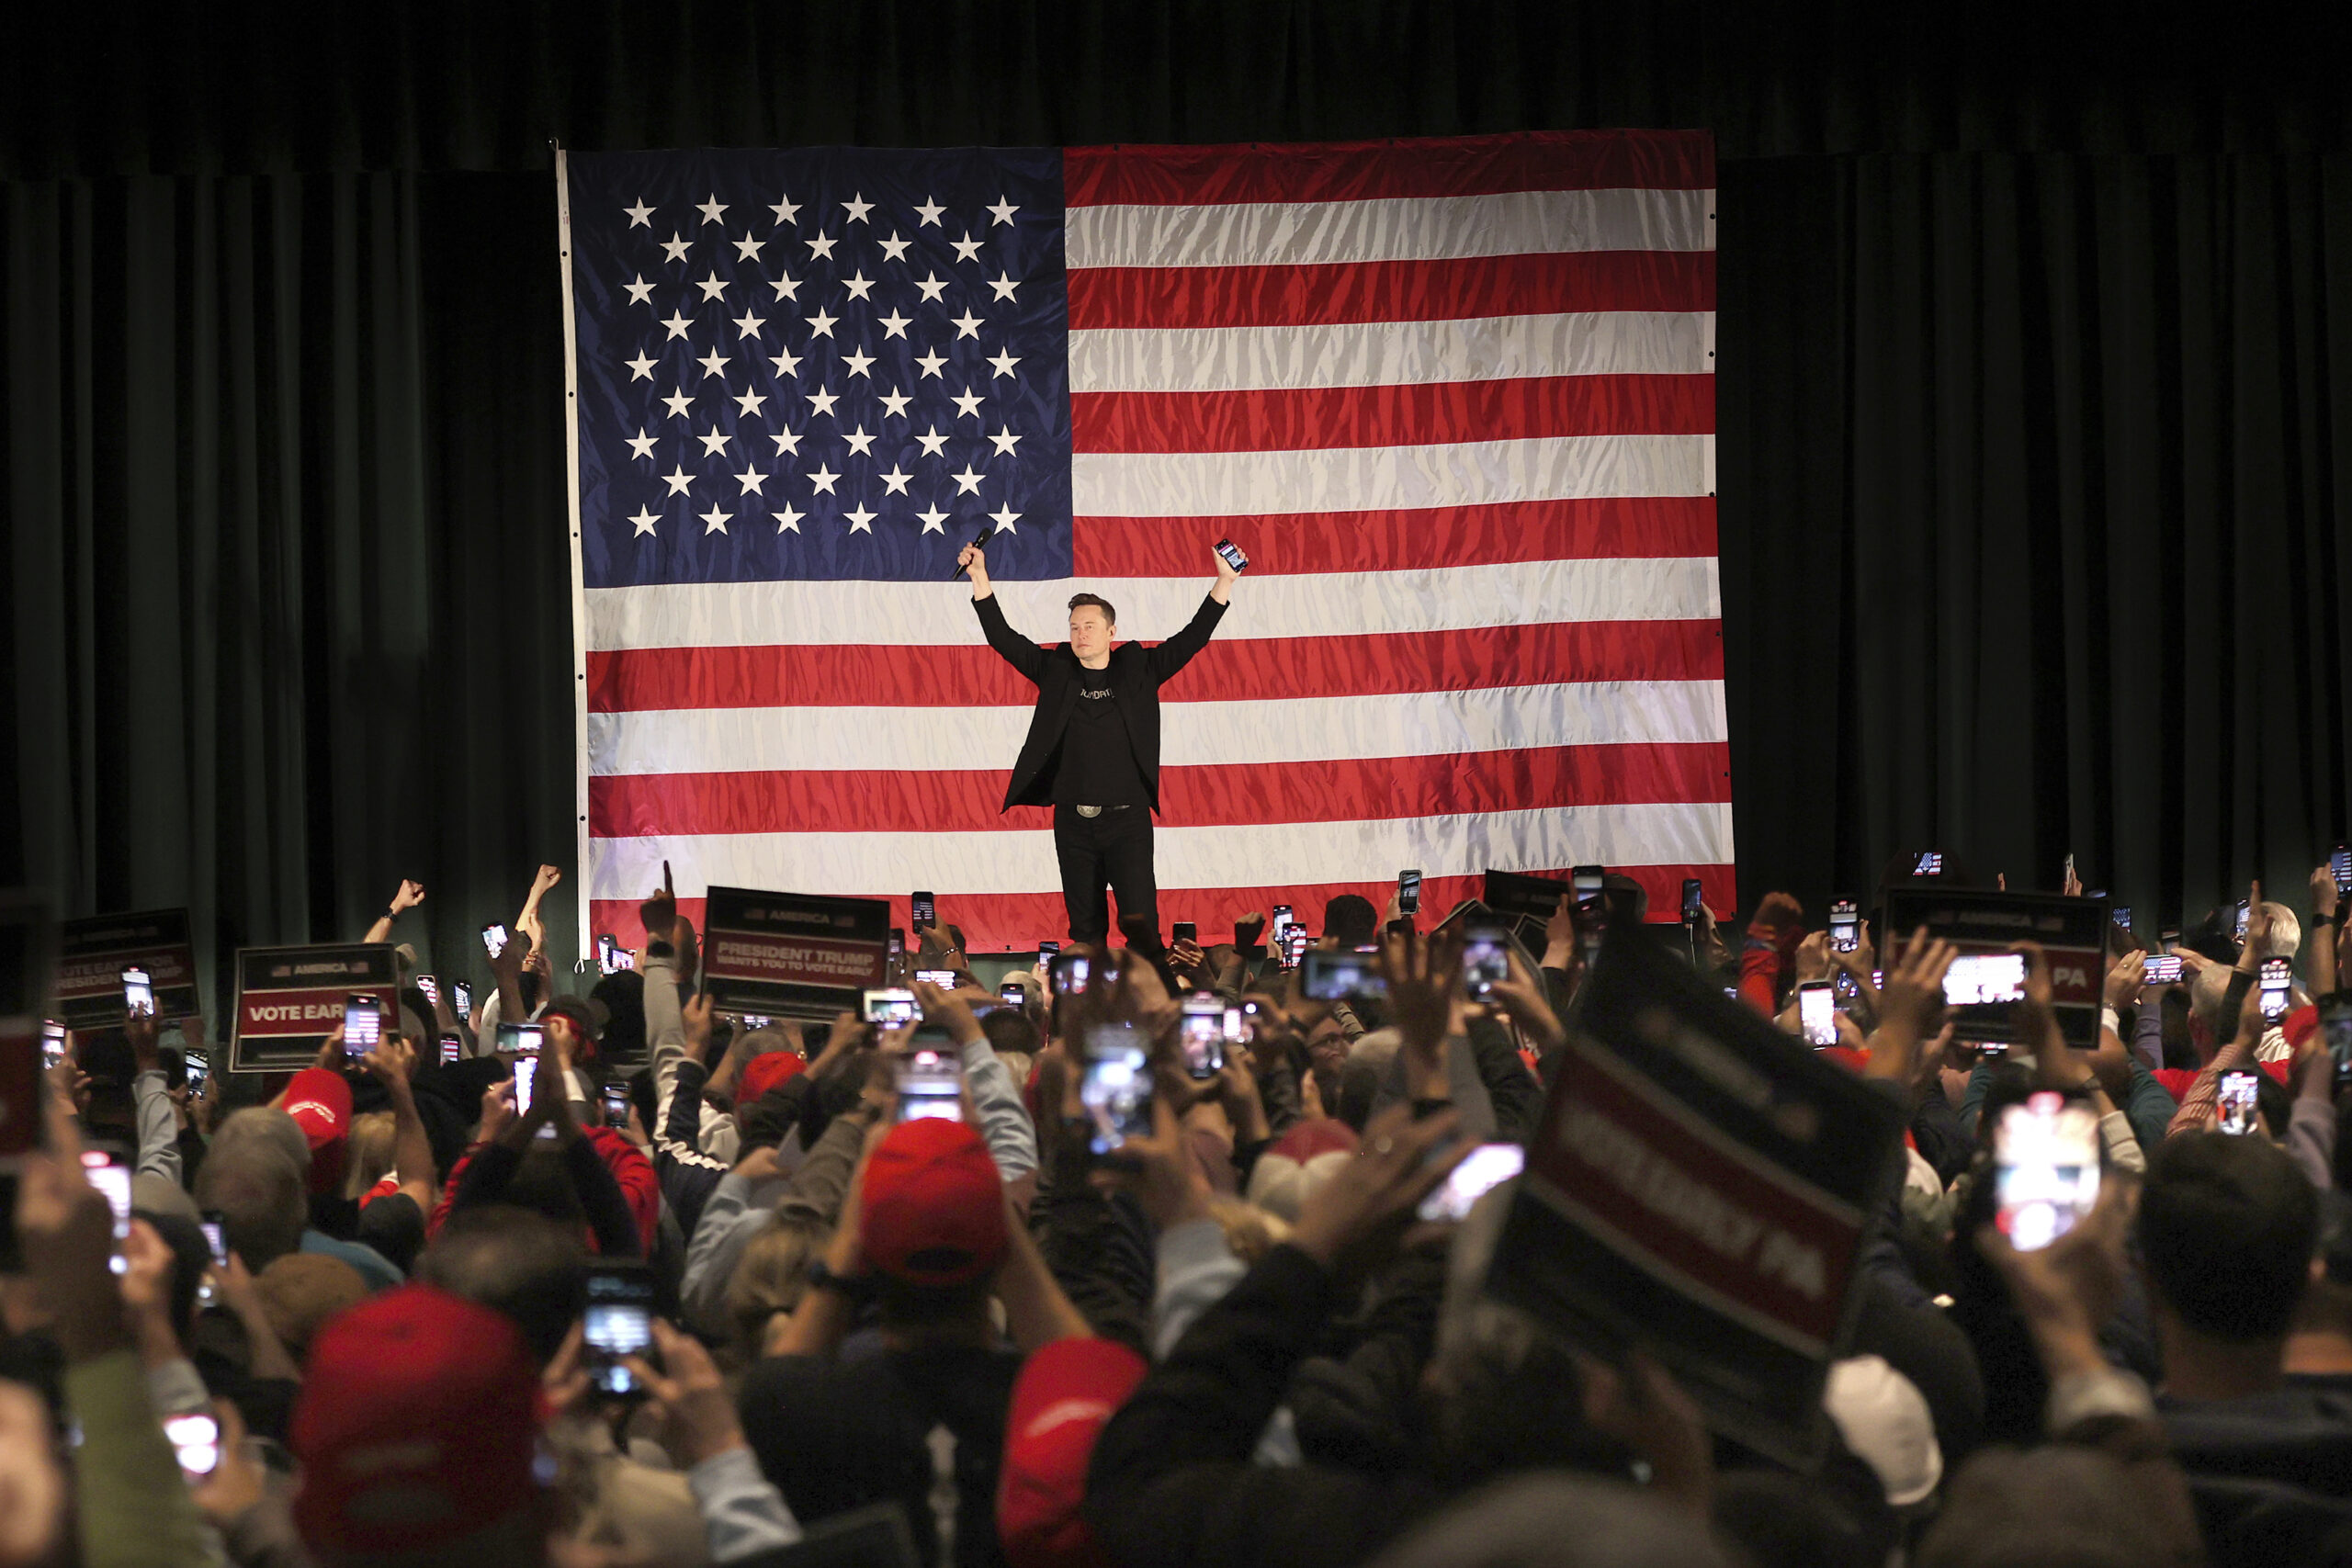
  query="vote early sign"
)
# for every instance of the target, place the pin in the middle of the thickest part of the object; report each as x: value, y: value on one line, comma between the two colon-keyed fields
x: 290, y: 999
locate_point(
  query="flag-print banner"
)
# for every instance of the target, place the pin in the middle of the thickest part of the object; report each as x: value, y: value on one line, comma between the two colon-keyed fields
x: 1455, y: 399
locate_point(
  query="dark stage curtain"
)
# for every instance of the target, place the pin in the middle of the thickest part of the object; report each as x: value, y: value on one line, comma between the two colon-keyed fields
x: 2033, y: 526
x: 288, y: 583
x: 2034, y: 330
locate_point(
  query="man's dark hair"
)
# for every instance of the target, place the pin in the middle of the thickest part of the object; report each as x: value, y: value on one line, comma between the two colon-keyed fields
x: 515, y: 1262
x: 2227, y: 1226
x: 1110, y: 615
x: 1351, y: 918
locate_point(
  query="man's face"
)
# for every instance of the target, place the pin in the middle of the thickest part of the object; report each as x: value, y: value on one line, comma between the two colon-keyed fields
x: 1090, y: 633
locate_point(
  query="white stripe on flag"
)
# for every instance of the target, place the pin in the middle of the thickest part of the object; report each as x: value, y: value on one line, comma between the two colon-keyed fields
x: 1305, y: 730
x: 1390, y: 353
x: 1381, y: 478
x: 1349, y: 604
x: 1320, y: 233
x: 1693, y: 833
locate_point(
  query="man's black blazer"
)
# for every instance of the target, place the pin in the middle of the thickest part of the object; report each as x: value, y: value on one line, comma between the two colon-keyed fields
x: 1137, y: 674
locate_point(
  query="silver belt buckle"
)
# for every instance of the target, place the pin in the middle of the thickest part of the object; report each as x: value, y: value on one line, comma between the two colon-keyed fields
x: 1089, y: 811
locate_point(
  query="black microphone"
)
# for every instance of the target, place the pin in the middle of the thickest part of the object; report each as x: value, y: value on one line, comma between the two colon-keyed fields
x: 979, y: 542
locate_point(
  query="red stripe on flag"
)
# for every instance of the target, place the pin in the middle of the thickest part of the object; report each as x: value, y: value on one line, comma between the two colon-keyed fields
x: 1550, y: 283
x: 1362, y: 171
x: 962, y: 676
x: 1014, y: 923
x: 1523, y: 408
x: 1310, y: 543
x: 1346, y: 790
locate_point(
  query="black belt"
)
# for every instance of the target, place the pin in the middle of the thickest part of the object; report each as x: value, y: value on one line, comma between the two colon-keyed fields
x: 1096, y: 810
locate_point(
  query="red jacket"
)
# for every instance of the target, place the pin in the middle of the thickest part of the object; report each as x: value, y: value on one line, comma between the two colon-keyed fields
x: 630, y: 1168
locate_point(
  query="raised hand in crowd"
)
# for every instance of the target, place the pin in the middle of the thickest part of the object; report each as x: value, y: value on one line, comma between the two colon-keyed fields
x: 407, y: 897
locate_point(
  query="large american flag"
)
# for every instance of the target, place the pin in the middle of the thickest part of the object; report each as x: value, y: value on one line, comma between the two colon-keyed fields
x: 1455, y: 398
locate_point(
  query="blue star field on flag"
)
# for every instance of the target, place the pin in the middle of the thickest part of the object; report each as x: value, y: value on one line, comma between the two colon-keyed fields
x: 831, y: 363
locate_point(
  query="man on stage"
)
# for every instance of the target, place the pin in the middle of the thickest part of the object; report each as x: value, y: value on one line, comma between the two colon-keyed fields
x: 1093, y: 750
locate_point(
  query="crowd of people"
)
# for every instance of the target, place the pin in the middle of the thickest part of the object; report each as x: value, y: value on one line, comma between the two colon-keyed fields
x: 681, y: 1287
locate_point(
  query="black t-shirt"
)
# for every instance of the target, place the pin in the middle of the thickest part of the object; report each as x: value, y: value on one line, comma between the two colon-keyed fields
x: 1097, y: 766
x: 837, y: 1435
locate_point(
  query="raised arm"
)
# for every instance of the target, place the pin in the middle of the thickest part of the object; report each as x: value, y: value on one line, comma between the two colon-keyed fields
x: 1172, y: 656
x: 1014, y: 648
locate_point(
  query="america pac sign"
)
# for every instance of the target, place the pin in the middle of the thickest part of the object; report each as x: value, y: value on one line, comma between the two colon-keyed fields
x: 290, y: 999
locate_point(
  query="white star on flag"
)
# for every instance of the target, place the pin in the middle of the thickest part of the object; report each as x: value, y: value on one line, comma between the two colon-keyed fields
x: 642, y: 367
x: 747, y: 248
x: 894, y: 248
x: 823, y: 479
x: 639, y: 216
x: 788, y: 517
x: 860, y: 520
x: 715, y: 442
x: 895, y: 325
x: 787, y: 289
x: 966, y: 402
x: 1003, y: 440
x: 1004, y: 518
x: 749, y: 325
x: 786, y: 365
x: 679, y: 480
x: 822, y: 401
x: 1002, y: 362
x: 675, y: 246
x: 677, y: 323
x: 752, y: 479
x: 858, y: 360
x: 644, y: 519
x: 858, y: 285
x: 787, y: 443
x: 1002, y: 210
x: 932, y: 442
x: 930, y: 362
x: 752, y: 403
x: 712, y: 287
x: 895, y: 480
x: 1004, y: 286
x: 677, y: 403
x: 640, y: 292
x: 715, y: 521
x: 932, y: 521
x: 713, y: 363
x: 786, y: 211
x: 931, y: 288
x: 969, y: 482
x: 860, y: 443
x: 857, y: 206
x: 640, y: 445
x: 710, y: 210
x: 929, y: 211
x: 967, y: 325
x: 821, y: 325
x: 966, y: 248
x: 822, y: 246
x: 895, y: 404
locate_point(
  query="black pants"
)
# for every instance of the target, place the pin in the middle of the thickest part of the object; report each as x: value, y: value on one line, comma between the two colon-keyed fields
x: 1115, y: 848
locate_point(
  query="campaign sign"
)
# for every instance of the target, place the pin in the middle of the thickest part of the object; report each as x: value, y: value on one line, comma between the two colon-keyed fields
x: 2072, y: 932
x: 793, y: 954
x: 290, y: 999
x: 1697, y: 1190
x: 92, y: 955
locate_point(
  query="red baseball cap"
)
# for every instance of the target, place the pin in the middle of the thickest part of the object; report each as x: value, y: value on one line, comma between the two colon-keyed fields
x: 766, y: 1070
x: 932, y: 1211
x: 319, y: 1103
x: 415, y: 1425
x: 578, y: 1013
x: 1064, y: 1394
